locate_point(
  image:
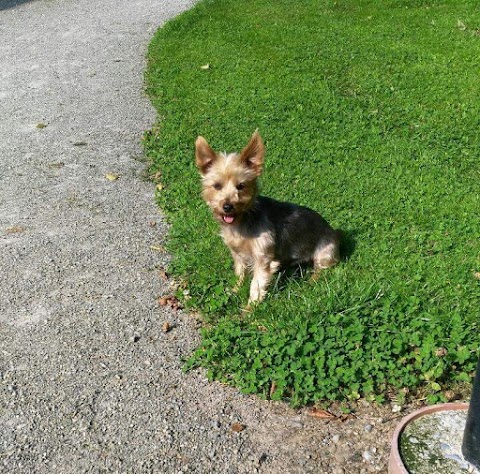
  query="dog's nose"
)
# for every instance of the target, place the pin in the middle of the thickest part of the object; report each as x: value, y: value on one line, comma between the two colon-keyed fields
x: 227, y: 208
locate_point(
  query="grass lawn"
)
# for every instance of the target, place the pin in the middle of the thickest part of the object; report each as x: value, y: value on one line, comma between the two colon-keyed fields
x: 370, y: 111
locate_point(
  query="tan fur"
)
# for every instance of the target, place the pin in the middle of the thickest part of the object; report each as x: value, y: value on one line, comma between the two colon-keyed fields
x: 227, y: 171
x: 254, y: 256
x: 222, y: 173
x: 326, y: 257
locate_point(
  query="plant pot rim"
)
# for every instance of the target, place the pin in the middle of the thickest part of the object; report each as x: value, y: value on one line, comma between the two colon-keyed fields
x: 395, y: 465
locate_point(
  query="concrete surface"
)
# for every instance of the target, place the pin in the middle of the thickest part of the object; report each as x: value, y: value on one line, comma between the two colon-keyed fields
x: 89, y: 382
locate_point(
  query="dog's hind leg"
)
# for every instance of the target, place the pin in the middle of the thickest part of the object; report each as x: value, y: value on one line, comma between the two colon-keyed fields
x: 326, y: 255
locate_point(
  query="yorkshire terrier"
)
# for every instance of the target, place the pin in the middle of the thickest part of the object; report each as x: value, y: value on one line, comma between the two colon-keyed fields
x: 263, y: 234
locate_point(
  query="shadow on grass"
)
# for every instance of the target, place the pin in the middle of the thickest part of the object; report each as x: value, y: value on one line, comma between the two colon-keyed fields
x: 6, y: 4
x: 305, y: 270
x: 348, y: 244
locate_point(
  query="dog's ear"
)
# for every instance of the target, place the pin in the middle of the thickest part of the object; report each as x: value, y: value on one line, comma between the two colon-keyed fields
x: 204, y: 155
x: 252, y: 155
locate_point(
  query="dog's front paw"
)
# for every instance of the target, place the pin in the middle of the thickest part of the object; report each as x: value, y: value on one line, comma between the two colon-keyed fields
x: 251, y: 305
x: 237, y: 286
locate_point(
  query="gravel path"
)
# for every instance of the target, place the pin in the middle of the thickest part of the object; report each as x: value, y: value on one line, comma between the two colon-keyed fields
x: 89, y: 382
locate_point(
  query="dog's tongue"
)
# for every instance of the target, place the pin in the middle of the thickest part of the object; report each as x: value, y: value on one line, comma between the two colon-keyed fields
x: 228, y: 219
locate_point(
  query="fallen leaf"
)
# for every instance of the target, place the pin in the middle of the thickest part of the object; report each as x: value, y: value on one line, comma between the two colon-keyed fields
x: 441, y: 352
x: 156, y: 177
x: 450, y: 395
x: 58, y: 165
x: 273, y: 387
x: 41, y: 125
x: 174, y: 303
x: 171, y: 301
x: 163, y: 301
x: 15, y: 229
x: 159, y: 187
x: 319, y: 413
x: 152, y: 223
x: 166, y: 327
x: 345, y: 416
x: 476, y: 275
x: 158, y: 248
x: 237, y: 427
x: 163, y: 275
x: 79, y: 143
x: 112, y: 176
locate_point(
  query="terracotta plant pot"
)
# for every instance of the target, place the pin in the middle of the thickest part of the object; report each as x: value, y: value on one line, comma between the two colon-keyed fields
x: 395, y: 465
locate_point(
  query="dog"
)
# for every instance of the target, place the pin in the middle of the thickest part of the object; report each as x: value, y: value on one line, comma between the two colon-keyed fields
x: 263, y: 235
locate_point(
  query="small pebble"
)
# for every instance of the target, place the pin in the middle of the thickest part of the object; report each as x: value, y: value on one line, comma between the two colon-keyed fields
x: 237, y: 427
x: 368, y: 428
x: 444, y: 447
x: 296, y: 424
x: 336, y: 438
x: 367, y: 455
x: 166, y: 327
x: 455, y: 457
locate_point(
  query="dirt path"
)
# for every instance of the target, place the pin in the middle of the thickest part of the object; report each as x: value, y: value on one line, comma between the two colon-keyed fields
x: 89, y: 382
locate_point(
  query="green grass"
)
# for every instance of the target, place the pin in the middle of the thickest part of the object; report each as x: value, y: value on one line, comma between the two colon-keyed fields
x: 370, y: 112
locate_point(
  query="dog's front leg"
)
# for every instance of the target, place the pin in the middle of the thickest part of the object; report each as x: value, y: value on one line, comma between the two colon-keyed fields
x: 262, y: 275
x: 240, y: 270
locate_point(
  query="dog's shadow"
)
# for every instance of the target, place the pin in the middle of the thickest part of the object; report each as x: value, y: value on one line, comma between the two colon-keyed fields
x: 348, y: 242
x: 300, y: 271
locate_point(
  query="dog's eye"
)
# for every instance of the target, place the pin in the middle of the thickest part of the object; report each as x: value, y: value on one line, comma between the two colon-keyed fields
x: 217, y: 186
x: 240, y: 186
